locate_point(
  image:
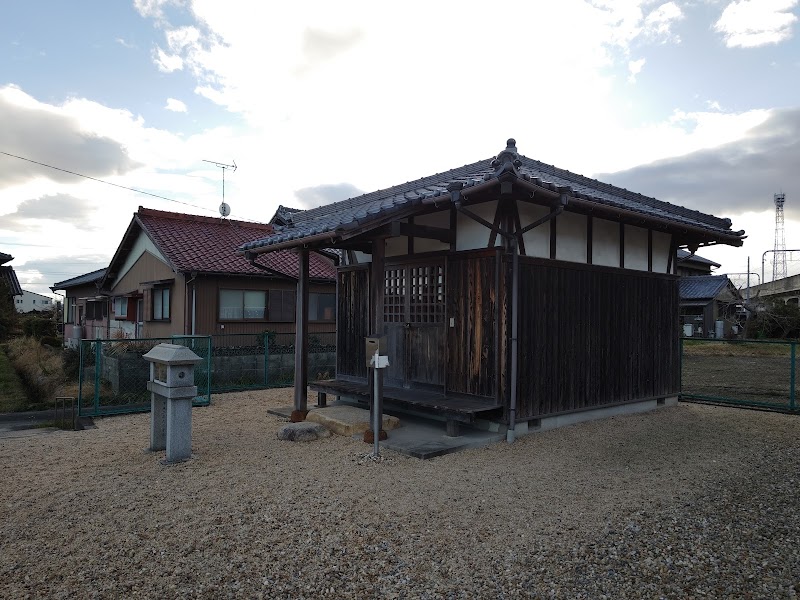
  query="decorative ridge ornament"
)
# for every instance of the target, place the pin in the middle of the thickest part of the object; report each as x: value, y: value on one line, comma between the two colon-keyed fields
x: 508, y: 160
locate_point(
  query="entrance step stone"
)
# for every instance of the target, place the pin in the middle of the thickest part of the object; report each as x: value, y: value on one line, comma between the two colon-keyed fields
x: 348, y: 420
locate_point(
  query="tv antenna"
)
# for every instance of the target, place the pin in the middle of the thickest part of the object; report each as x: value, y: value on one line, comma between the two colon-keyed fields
x: 224, y: 209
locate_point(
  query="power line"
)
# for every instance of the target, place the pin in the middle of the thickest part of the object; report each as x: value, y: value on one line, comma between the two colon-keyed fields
x: 124, y: 187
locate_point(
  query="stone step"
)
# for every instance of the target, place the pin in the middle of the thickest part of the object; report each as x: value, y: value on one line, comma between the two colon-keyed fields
x: 348, y: 420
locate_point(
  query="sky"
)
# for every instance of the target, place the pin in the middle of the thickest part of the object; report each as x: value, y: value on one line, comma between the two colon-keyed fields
x: 694, y: 102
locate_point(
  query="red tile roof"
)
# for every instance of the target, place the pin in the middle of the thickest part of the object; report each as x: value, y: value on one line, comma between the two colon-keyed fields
x: 209, y: 244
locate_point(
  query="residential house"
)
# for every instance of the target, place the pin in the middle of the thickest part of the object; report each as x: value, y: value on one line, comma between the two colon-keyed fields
x: 509, y: 291
x: 711, y: 306
x: 31, y: 301
x: 86, y: 310
x: 180, y: 274
x: 690, y: 265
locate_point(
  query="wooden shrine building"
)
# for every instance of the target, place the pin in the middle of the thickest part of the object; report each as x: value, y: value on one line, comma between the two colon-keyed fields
x: 510, y: 291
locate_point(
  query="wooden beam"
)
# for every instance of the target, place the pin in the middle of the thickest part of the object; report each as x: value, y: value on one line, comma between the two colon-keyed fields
x: 518, y: 229
x: 622, y: 245
x: 440, y: 234
x: 376, y: 286
x: 650, y: 250
x: 453, y: 228
x: 553, y: 239
x: 301, y: 340
x: 496, y: 225
x: 410, y: 238
x: 589, y: 238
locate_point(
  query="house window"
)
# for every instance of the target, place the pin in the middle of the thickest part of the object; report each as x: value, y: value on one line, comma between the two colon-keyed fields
x: 121, y: 308
x: 96, y: 310
x: 321, y: 307
x: 282, y: 305
x: 238, y: 305
x: 414, y: 294
x: 161, y: 304
x: 69, y: 310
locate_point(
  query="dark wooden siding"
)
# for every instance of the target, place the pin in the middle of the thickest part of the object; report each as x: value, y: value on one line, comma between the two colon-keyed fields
x: 352, y: 321
x: 472, y: 341
x: 590, y: 337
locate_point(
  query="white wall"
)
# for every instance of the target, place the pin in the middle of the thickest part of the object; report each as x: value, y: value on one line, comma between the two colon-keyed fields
x: 471, y: 235
x: 635, y: 248
x: 571, y: 237
x: 661, y: 243
x: 605, y: 243
x: 439, y: 219
x: 537, y: 240
x: 32, y: 301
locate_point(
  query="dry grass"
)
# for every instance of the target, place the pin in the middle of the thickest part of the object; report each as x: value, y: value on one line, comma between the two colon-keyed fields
x: 718, y: 348
x: 41, y: 368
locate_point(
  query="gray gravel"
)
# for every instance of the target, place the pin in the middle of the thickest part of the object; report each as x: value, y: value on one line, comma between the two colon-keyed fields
x: 685, y: 502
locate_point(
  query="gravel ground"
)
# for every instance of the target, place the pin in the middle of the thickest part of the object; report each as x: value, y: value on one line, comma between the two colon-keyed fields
x: 686, y: 502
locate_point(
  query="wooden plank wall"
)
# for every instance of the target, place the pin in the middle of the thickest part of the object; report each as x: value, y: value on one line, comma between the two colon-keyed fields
x: 352, y: 321
x: 590, y: 337
x: 472, y: 343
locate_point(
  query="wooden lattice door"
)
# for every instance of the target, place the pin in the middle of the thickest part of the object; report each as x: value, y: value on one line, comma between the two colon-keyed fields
x: 414, y: 323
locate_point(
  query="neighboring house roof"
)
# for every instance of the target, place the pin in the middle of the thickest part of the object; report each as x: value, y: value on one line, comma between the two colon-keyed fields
x: 685, y: 256
x: 337, y: 218
x: 79, y: 280
x: 283, y: 215
x: 8, y: 275
x: 207, y: 245
x: 703, y: 287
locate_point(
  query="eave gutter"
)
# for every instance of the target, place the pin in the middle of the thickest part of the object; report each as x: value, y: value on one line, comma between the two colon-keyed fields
x: 329, y: 236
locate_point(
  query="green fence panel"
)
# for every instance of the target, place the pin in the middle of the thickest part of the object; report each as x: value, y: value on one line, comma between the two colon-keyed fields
x: 113, y: 375
x: 755, y: 373
x: 266, y: 360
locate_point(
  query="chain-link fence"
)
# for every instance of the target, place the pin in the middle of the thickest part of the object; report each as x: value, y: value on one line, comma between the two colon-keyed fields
x: 265, y: 360
x: 113, y: 375
x: 740, y: 372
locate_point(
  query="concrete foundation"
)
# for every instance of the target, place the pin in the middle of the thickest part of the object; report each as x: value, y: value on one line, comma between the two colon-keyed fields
x: 547, y: 423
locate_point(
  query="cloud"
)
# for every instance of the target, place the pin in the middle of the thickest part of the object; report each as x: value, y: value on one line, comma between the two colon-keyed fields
x: 125, y: 44
x: 167, y: 63
x: 634, y: 68
x: 320, y: 195
x: 45, y: 134
x: 62, y: 208
x: 320, y: 46
x: 175, y: 105
x: 752, y: 23
x: 629, y: 21
x: 731, y: 179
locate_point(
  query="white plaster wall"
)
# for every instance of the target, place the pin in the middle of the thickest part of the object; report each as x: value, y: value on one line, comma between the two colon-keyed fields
x: 363, y: 257
x: 571, y: 237
x: 471, y: 235
x: 635, y: 248
x: 537, y: 240
x: 143, y: 244
x: 605, y: 243
x: 439, y: 219
x: 396, y: 246
x: 661, y: 243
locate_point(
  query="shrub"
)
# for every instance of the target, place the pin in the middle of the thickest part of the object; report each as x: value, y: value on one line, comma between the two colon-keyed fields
x: 51, y: 341
x: 40, y: 368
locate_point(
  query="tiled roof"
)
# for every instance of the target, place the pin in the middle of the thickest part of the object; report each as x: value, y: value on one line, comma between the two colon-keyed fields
x: 358, y: 211
x: 208, y: 245
x: 79, y: 280
x: 683, y: 256
x: 4, y: 258
x: 8, y: 276
x: 703, y: 287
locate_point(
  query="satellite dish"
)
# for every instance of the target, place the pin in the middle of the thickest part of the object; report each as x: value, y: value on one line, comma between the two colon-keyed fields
x: 224, y: 209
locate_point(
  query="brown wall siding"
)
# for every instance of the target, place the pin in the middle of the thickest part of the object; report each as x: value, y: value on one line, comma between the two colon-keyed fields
x: 593, y: 337
x: 146, y: 268
x: 207, y: 305
x: 472, y: 353
x: 352, y: 321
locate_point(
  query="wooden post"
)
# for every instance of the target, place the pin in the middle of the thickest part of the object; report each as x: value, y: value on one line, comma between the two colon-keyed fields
x: 301, y: 341
x: 376, y: 293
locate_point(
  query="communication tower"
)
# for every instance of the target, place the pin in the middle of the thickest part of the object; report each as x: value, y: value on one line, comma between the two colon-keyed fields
x: 779, y: 263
